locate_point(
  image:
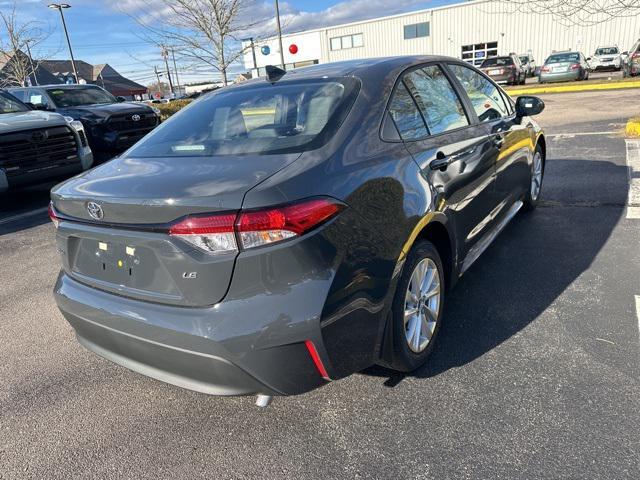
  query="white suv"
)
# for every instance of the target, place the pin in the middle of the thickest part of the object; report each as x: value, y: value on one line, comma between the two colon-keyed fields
x: 606, y: 58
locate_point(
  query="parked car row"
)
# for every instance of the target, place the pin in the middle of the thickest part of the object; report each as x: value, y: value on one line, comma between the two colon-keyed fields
x: 53, y: 131
x: 562, y: 66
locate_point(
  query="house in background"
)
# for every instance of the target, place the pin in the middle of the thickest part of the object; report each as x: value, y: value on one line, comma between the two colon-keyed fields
x: 20, y: 65
x: 102, y: 75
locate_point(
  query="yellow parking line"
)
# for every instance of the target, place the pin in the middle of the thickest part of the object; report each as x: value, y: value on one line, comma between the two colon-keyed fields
x: 574, y: 88
x: 633, y: 127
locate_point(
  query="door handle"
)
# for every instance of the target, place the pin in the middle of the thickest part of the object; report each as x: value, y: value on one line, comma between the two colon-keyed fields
x: 442, y: 161
x: 498, y: 140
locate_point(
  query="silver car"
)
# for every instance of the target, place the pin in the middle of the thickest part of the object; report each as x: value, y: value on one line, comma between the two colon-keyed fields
x: 606, y: 58
x: 564, y: 67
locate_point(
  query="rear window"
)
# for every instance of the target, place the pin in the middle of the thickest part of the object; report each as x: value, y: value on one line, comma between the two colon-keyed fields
x: 497, y: 62
x: 285, y: 117
x: 607, y: 51
x: 563, y: 58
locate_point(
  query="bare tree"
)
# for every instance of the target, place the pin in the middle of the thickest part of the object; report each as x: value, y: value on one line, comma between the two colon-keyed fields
x: 579, y: 12
x: 16, y: 41
x: 202, y: 31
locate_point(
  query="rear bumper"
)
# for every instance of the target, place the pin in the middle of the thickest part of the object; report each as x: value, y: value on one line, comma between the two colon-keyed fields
x: 210, y: 350
x: 559, y: 77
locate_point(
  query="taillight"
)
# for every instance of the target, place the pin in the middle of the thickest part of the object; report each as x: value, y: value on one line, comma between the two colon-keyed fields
x: 254, y: 228
x: 545, y: 69
x: 211, y: 233
x: 52, y: 215
x: 261, y: 227
x: 575, y: 66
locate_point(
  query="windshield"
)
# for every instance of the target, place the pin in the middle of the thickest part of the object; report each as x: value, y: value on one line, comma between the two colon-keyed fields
x: 73, y: 97
x: 10, y: 104
x: 607, y: 51
x: 497, y: 61
x: 286, y: 117
x: 564, y: 57
x: 524, y: 59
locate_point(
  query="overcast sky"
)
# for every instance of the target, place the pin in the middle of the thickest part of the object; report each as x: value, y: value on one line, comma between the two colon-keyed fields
x: 102, y: 31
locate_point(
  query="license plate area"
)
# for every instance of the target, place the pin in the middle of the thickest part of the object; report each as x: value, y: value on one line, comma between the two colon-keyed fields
x: 495, y: 72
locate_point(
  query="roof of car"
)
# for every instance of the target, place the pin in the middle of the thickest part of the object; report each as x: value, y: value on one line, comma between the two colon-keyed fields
x: 62, y: 86
x: 361, y: 68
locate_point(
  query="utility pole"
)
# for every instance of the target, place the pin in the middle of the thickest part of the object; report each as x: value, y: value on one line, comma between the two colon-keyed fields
x: 59, y: 7
x: 155, y: 69
x: 33, y: 69
x: 279, y: 34
x: 165, y: 55
x: 175, y: 69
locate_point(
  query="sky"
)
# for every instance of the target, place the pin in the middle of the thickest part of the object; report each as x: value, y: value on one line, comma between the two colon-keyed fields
x: 103, y: 31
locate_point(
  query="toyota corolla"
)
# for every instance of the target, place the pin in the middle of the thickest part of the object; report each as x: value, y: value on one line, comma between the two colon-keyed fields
x: 281, y: 234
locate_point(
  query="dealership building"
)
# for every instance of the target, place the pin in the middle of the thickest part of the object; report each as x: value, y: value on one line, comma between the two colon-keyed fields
x: 471, y: 30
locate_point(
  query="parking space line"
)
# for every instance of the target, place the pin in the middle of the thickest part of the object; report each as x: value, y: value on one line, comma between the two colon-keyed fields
x: 633, y: 162
x: 580, y: 134
x: 638, y: 310
x: 21, y: 216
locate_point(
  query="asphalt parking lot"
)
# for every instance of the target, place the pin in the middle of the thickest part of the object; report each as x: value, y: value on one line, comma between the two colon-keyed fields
x: 536, y: 373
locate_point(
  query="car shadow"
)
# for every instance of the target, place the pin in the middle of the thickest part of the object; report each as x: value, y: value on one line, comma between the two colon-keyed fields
x: 24, y: 208
x: 534, y: 260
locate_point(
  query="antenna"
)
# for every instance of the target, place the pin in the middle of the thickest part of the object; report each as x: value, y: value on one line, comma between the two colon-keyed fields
x: 274, y: 73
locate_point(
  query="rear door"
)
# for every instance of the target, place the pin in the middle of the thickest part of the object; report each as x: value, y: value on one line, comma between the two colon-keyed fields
x: 510, y: 139
x: 453, y: 152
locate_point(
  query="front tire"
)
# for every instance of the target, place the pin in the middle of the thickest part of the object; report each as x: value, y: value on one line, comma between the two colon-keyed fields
x: 417, y: 307
x: 537, y: 175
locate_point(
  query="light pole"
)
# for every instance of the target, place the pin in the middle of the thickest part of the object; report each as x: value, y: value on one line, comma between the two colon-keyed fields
x: 59, y: 7
x: 279, y: 34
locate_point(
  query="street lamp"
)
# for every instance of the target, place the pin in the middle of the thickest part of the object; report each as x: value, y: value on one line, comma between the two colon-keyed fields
x: 59, y: 7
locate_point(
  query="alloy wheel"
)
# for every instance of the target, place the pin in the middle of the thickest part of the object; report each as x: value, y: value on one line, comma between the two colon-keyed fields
x: 536, y: 177
x: 422, y: 305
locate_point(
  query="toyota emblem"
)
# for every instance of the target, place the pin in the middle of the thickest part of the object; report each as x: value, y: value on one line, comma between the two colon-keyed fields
x: 95, y: 211
x: 38, y: 136
x: 135, y: 118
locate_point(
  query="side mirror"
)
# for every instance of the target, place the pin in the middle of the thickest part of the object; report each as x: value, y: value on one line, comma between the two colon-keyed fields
x: 121, y: 99
x: 30, y: 105
x: 528, y: 106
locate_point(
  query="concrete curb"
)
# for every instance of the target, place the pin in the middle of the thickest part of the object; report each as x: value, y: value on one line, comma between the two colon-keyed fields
x: 633, y: 127
x: 574, y: 88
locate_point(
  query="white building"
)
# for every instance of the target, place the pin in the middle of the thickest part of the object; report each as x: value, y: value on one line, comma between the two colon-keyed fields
x: 471, y: 30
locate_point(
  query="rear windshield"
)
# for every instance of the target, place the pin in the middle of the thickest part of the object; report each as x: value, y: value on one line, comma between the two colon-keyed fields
x: 607, y: 51
x: 497, y: 61
x: 564, y: 57
x: 10, y: 104
x: 285, y: 117
x: 74, y: 97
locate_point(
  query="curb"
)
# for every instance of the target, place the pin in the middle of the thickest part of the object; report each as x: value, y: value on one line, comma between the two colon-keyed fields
x: 633, y: 127
x: 574, y: 88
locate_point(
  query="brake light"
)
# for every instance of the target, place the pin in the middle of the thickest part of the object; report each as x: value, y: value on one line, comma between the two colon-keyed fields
x: 575, y: 66
x: 545, y: 69
x: 213, y: 233
x: 256, y: 228
x: 52, y: 215
x: 217, y: 234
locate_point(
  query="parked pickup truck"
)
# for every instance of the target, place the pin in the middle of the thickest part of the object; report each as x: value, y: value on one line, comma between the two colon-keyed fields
x: 112, y: 125
x: 38, y: 146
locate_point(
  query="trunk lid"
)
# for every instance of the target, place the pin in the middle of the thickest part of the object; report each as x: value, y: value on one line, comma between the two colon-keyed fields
x: 127, y: 251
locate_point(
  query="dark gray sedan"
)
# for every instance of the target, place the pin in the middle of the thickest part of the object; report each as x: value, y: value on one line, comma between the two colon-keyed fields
x: 280, y: 234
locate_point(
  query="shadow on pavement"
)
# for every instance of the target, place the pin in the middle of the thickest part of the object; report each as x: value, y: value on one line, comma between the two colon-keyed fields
x: 17, y: 204
x: 528, y: 266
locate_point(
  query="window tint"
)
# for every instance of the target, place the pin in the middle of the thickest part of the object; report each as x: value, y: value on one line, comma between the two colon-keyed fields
x: 19, y: 94
x: 405, y: 114
x: 37, y: 98
x: 563, y: 58
x: 286, y: 117
x: 436, y: 98
x: 497, y: 61
x: 484, y: 95
x: 10, y: 104
x: 73, y: 97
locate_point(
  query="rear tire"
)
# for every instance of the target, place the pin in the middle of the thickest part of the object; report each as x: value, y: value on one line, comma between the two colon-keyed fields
x: 537, y: 175
x: 421, y: 290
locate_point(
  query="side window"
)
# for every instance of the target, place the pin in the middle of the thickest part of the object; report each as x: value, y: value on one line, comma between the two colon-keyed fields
x: 436, y: 98
x: 405, y: 114
x: 484, y: 95
x: 19, y: 94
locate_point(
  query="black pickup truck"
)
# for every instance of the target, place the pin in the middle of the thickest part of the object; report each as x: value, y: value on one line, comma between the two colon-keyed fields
x: 112, y: 124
